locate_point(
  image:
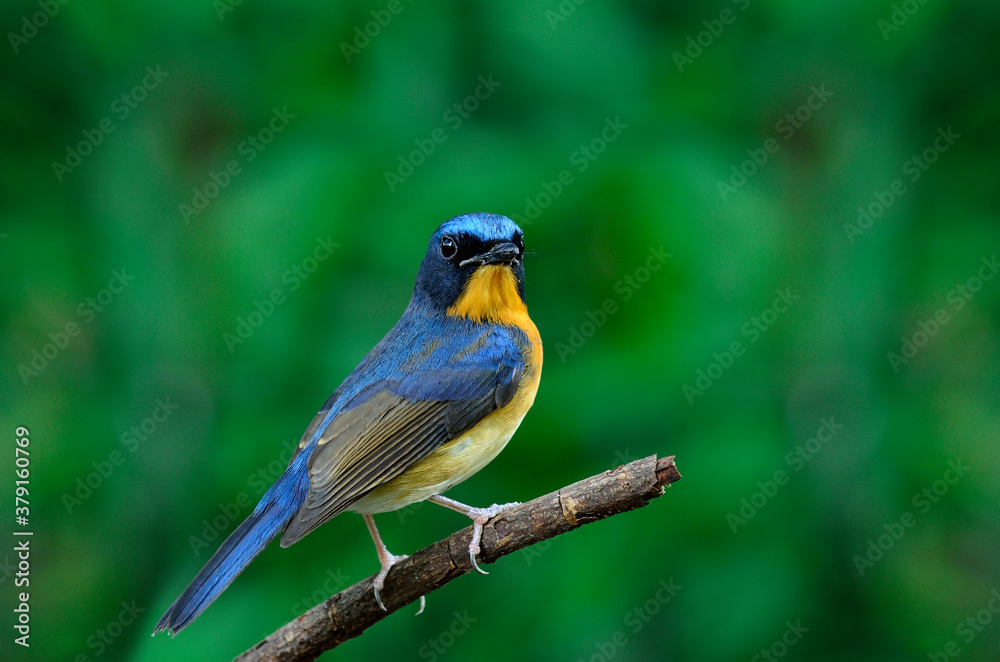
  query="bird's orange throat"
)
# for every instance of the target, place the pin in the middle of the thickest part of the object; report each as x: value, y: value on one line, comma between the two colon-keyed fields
x: 491, y: 295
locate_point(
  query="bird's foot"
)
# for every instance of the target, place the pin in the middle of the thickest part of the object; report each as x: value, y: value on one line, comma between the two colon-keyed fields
x: 387, y: 560
x: 480, y: 516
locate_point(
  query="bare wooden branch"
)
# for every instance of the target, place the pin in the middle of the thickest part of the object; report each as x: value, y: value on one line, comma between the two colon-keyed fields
x: 353, y: 610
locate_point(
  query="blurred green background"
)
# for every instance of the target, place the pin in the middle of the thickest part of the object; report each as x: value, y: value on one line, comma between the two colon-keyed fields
x: 740, y: 138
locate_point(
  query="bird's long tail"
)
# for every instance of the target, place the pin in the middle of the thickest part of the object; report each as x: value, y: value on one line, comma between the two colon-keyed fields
x: 276, y: 509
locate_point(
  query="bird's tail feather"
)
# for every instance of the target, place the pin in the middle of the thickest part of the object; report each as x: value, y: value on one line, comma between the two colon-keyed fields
x: 271, y: 516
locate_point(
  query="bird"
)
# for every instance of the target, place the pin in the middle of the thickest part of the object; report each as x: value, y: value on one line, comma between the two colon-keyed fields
x: 431, y: 404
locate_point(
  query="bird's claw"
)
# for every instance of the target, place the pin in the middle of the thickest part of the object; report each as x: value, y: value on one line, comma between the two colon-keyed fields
x: 479, y: 519
x: 387, y: 562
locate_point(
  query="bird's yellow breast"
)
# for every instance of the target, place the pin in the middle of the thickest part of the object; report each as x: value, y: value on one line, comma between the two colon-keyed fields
x: 490, y: 295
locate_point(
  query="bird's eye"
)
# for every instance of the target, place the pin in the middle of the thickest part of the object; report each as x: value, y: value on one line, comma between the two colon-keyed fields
x: 519, y: 241
x: 448, y: 247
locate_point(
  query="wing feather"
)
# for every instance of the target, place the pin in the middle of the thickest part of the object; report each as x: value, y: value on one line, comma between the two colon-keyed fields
x: 389, y: 427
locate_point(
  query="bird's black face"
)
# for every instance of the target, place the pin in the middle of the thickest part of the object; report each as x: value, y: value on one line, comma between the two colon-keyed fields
x: 461, y: 246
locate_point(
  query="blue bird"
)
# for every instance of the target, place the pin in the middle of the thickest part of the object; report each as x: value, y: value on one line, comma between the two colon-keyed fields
x: 433, y: 403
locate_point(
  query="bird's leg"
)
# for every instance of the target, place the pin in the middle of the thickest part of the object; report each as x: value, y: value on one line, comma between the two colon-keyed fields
x: 386, y: 559
x: 479, y: 517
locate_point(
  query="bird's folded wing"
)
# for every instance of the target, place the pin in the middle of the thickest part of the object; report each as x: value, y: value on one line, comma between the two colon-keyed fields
x: 390, y: 426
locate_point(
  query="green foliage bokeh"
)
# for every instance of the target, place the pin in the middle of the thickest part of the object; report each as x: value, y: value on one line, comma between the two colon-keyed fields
x: 668, y: 101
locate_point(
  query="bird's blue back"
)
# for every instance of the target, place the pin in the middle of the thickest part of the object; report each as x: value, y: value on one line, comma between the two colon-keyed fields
x: 418, y: 346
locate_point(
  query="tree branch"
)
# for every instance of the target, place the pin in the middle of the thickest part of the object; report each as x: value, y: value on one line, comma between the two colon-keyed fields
x: 353, y: 610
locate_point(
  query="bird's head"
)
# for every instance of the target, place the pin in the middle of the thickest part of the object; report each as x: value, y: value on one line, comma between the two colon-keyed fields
x: 474, y: 268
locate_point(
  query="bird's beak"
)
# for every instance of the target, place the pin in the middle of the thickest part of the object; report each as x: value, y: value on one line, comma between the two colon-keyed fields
x: 504, y: 253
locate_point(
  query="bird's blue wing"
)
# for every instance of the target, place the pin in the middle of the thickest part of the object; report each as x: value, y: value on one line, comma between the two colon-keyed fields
x: 393, y: 423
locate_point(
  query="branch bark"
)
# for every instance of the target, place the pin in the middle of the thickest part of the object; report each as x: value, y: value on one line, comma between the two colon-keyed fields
x: 350, y: 612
